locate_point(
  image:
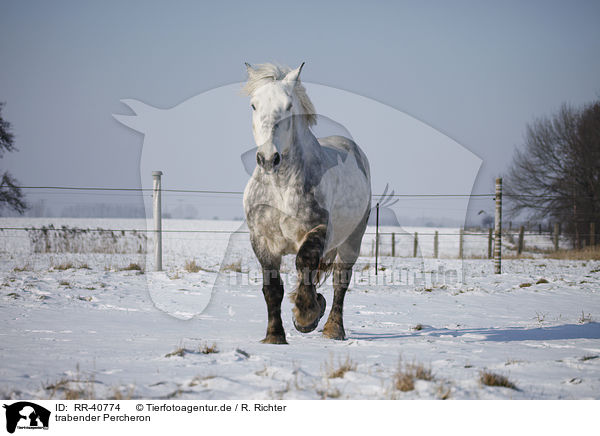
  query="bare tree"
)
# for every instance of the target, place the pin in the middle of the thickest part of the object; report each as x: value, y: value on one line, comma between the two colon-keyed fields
x: 11, y: 195
x: 556, y: 176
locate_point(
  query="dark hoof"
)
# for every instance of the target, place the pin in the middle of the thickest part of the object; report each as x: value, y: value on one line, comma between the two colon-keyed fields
x: 322, y: 303
x: 274, y: 339
x: 307, y: 329
x: 313, y: 325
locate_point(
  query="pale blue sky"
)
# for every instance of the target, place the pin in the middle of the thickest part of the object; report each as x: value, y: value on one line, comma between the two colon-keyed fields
x: 476, y: 71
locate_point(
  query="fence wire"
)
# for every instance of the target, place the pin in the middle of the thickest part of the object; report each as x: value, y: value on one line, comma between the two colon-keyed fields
x: 401, y: 234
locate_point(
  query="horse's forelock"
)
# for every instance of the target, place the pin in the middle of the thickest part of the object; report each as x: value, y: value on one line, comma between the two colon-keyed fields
x: 262, y: 74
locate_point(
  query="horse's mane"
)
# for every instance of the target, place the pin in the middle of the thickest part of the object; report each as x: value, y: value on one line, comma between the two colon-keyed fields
x: 261, y: 74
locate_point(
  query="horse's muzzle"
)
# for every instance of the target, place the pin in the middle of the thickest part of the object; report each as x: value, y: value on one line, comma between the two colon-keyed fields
x: 268, y: 164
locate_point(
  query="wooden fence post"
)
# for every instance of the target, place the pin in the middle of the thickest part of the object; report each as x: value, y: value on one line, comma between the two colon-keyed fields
x: 415, y: 244
x: 156, y: 194
x: 376, y: 238
x: 521, y: 236
x: 461, y: 238
x: 436, y: 244
x: 490, y: 254
x: 393, y: 245
x: 556, y: 233
x: 498, y: 228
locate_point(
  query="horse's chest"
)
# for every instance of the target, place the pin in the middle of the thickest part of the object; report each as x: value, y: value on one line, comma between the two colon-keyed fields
x: 286, y: 213
x: 298, y: 212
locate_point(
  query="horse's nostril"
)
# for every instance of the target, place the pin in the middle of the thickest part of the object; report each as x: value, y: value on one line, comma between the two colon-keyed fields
x: 268, y: 163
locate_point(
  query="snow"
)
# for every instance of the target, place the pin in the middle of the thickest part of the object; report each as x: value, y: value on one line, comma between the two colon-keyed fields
x: 106, y: 330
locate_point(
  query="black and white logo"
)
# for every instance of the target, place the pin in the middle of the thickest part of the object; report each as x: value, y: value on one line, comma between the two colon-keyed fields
x: 26, y: 415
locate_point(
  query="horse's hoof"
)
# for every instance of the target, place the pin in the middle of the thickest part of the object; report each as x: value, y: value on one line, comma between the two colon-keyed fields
x: 274, y: 339
x: 307, y: 329
x: 313, y: 325
x: 334, y: 331
x: 322, y: 303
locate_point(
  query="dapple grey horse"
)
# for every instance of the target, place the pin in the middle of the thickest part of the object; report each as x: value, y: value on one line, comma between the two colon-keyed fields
x: 308, y: 196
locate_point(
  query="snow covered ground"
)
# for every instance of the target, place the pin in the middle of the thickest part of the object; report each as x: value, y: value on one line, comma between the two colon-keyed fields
x: 83, y: 324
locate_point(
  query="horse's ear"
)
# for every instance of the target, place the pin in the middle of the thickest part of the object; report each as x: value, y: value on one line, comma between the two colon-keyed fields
x: 294, y: 75
x: 249, y: 68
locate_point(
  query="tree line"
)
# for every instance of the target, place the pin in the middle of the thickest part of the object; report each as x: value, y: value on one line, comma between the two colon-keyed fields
x: 11, y: 196
x: 555, y: 176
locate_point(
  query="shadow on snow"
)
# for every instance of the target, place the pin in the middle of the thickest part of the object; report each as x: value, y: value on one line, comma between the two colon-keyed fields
x: 560, y: 332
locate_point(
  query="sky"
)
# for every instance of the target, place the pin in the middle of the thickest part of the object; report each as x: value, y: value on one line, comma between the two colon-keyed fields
x: 475, y: 71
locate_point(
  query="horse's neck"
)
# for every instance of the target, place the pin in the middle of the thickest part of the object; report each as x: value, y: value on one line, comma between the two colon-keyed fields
x: 306, y: 151
x: 303, y: 162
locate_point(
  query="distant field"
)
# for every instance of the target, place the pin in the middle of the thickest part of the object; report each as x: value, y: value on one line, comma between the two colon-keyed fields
x: 192, y: 242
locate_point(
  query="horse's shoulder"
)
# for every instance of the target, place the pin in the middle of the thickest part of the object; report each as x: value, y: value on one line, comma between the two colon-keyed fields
x: 336, y: 144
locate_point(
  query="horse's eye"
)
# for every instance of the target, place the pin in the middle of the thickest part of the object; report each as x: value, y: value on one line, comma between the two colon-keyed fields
x: 253, y: 107
x: 288, y: 107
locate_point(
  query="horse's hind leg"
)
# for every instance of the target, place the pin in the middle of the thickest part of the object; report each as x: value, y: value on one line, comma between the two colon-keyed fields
x: 308, y: 305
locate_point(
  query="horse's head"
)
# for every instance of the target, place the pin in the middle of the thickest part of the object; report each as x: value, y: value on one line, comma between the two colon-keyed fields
x: 277, y: 100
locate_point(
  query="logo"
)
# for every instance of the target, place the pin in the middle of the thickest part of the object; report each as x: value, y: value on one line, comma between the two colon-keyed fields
x: 26, y: 415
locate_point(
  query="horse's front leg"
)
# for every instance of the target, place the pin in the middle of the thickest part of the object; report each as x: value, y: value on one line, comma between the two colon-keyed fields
x: 273, y: 293
x: 309, y: 306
